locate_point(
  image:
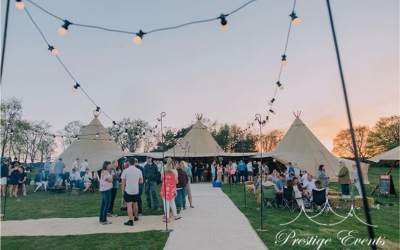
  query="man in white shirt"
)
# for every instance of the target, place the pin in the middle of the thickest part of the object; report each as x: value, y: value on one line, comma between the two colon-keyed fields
x: 234, y: 167
x: 84, y: 166
x: 130, y: 179
x: 304, y: 177
x: 250, y: 171
x: 75, y: 165
x: 309, y: 184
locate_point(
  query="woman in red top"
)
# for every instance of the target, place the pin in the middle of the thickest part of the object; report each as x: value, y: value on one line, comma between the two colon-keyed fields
x: 168, y: 190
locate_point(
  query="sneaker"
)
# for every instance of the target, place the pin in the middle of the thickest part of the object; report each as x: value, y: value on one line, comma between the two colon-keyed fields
x: 140, y: 214
x: 129, y: 223
x: 24, y: 194
x: 109, y: 215
x: 135, y: 218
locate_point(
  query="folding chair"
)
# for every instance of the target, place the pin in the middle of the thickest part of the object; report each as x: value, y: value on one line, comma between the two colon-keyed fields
x: 319, y: 200
x: 269, y: 197
x: 288, y: 199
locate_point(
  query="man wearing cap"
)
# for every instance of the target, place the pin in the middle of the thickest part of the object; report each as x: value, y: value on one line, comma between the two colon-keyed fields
x: 150, y: 178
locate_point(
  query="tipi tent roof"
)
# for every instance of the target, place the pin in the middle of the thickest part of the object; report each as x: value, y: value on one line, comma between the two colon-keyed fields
x: 301, y: 146
x: 200, y: 141
x: 103, y: 149
x: 391, y: 155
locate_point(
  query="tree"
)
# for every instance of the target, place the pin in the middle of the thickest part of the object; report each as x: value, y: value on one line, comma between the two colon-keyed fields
x: 271, y: 139
x: 384, y: 136
x: 34, y: 136
x: 130, y: 133
x: 11, y: 113
x: 343, y: 146
x: 70, y: 131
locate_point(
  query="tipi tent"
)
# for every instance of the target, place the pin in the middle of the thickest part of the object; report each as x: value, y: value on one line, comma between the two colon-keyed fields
x: 301, y: 146
x: 94, y: 144
x: 392, y: 155
x: 198, y: 143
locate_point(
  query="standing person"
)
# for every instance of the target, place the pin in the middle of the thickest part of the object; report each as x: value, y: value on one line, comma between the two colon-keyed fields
x: 242, y: 168
x: 250, y: 170
x: 40, y: 180
x: 356, y: 179
x: 105, y: 190
x: 181, y: 186
x: 234, y: 171
x: 22, y: 181
x: 189, y: 165
x: 168, y: 191
x: 15, y: 175
x: 323, y: 177
x: 141, y: 187
x: 296, y: 170
x: 290, y: 169
x: 344, y: 178
x: 201, y: 172
x: 84, y: 166
x: 115, y: 184
x: 159, y: 167
x: 150, y: 178
x: 188, y: 171
x: 47, y: 166
x: 220, y: 171
x: 59, y: 167
x: 4, y: 176
x: 255, y: 170
x: 130, y: 180
x: 76, y: 166
x: 213, y: 171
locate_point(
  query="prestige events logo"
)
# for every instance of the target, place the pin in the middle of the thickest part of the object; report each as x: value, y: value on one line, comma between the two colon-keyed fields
x: 347, y: 238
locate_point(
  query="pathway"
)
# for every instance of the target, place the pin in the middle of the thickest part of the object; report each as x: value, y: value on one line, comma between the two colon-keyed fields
x: 214, y: 223
x: 78, y: 226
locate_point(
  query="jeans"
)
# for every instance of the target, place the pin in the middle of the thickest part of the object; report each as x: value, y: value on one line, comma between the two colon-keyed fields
x: 105, y: 204
x: 151, y: 186
x: 82, y: 173
x: 141, y: 187
x: 46, y: 173
x: 181, y: 194
x: 77, y: 184
x: 237, y: 176
x: 113, y: 195
x: 345, y: 189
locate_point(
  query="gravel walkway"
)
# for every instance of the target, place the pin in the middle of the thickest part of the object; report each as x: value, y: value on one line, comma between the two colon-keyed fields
x: 214, y: 223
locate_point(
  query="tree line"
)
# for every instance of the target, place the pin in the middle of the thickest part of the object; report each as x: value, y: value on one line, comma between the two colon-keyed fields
x: 383, y: 136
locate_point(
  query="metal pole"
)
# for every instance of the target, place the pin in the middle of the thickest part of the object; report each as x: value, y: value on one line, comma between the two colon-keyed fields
x: 245, y: 200
x: 163, y: 114
x: 353, y: 138
x: 260, y: 123
x: 4, y: 41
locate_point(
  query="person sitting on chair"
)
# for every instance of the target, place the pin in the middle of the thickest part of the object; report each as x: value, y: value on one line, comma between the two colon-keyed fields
x: 40, y: 180
x: 297, y: 192
x: 87, y: 180
x: 52, y: 178
x: 76, y: 180
x: 269, y: 183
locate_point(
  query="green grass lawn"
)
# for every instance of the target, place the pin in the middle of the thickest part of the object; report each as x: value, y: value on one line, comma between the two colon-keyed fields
x: 64, y: 205
x: 151, y: 240
x: 387, y: 219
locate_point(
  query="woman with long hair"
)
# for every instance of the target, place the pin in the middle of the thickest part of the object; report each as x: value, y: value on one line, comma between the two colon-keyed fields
x: 105, y: 188
x: 168, y: 190
x: 181, y: 186
x: 323, y: 177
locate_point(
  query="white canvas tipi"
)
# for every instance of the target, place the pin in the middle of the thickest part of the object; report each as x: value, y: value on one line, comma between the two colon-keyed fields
x: 200, y: 143
x: 301, y: 146
x: 102, y: 149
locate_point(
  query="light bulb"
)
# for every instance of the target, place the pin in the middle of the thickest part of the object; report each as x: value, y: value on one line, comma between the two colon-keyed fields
x: 20, y: 5
x: 110, y: 140
x: 296, y: 21
x: 73, y: 89
x: 270, y: 103
x: 281, y: 87
x: 137, y: 40
x: 62, y: 31
x: 94, y: 140
x: 54, y: 52
x: 283, y: 62
x: 225, y: 27
x: 97, y: 135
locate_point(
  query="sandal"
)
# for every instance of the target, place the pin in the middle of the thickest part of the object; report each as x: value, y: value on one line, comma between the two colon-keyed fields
x: 106, y: 223
x: 177, y: 218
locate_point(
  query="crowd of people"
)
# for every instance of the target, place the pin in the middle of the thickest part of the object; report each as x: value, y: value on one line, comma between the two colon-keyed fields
x: 303, y: 183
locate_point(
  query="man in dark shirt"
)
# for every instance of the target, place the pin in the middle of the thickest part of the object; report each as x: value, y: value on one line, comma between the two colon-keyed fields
x: 141, y: 187
x: 150, y: 178
x: 22, y: 181
x: 4, y: 175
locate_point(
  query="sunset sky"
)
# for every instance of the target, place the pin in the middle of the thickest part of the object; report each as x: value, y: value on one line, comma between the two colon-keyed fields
x: 229, y: 76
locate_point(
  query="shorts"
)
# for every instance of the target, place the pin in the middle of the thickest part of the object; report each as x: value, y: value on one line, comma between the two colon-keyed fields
x: 14, y: 182
x: 250, y: 173
x: 213, y: 174
x: 3, y: 180
x: 188, y: 190
x: 21, y: 184
x: 131, y: 197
